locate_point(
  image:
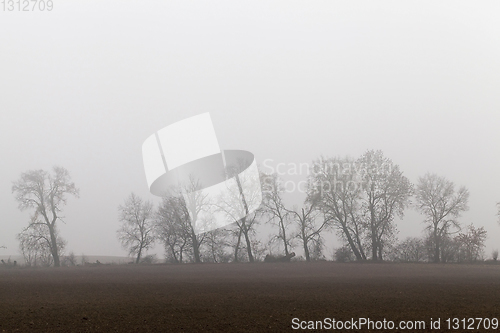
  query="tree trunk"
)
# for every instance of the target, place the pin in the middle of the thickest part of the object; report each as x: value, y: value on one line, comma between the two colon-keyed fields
x: 284, y: 237
x: 374, y: 248
x: 436, y: 252
x: 373, y: 228
x: 360, y: 248
x: 138, y: 259
x: 351, y: 244
x: 306, y: 249
x: 196, y: 248
x: 437, y: 240
x: 247, y: 239
x: 172, y: 249
x: 237, y: 248
x: 53, y: 246
x: 249, y: 248
x: 245, y: 231
x: 212, y: 249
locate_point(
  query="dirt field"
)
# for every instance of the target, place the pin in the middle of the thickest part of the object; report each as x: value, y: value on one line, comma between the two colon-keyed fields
x: 241, y: 297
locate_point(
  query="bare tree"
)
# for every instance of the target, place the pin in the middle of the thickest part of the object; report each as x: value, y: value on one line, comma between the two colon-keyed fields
x: 385, y: 194
x: 310, y: 224
x: 360, y: 199
x: 46, y: 193
x: 70, y: 259
x: 236, y: 244
x: 198, y: 207
x: 247, y: 226
x: 136, y: 233
x: 236, y: 204
x: 449, y: 248
x: 214, y: 249
x: 185, y: 213
x: 245, y: 230
x: 472, y: 243
x: 467, y: 246
x: 412, y: 249
x: 442, y: 206
x: 335, y: 184
x: 274, y: 208
x: 172, y: 227
x: 35, y: 245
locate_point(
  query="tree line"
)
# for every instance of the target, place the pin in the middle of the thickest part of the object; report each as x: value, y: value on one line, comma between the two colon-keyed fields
x: 357, y: 199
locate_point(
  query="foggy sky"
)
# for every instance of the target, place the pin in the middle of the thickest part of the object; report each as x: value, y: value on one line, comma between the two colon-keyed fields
x: 84, y: 85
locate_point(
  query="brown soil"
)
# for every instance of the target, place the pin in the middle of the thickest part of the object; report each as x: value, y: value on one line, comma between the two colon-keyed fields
x: 241, y: 297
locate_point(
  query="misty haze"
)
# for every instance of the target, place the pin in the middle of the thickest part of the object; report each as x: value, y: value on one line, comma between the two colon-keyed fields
x: 249, y: 166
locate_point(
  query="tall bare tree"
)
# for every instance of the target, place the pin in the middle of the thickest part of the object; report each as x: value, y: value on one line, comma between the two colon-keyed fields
x: 247, y: 227
x: 310, y: 223
x: 274, y: 208
x: 196, y: 204
x: 236, y: 203
x: 185, y: 212
x: 442, y: 206
x: 46, y: 194
x: 243, y: 232
x: 335, y: 184
x: 136, y: 232
x: 385, y: 194
x: 173, y: 228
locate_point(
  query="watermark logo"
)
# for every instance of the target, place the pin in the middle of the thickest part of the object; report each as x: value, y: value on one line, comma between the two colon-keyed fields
x: 331, y: 175
x: 219, y: 187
